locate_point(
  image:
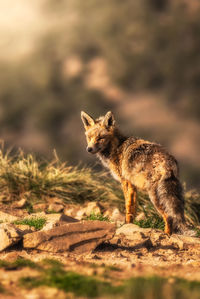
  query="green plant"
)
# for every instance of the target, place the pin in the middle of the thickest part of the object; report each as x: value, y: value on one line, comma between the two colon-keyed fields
x: 19, y: 263
x: 38, y: 223
x: 151, y: 222
x: 97, y: 216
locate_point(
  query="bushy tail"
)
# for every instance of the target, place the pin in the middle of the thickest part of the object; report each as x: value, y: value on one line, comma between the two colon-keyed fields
x: 171, y: 199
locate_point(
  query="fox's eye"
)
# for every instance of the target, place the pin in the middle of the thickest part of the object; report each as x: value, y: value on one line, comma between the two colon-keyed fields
x: 101, y: 138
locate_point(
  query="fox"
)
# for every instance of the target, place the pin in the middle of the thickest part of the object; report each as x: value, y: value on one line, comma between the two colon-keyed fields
x: 138, y: 165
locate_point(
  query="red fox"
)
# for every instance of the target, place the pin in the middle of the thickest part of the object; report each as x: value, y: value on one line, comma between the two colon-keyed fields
x: 138, y: 164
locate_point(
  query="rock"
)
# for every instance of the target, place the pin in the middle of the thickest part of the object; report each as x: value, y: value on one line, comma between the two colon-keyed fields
x: 77, y: 237
x: 55, y: 207
x: 185, y: 242
x: 131, y: 235
x: 20, y: 204
x: 40, y: 207
x: 115, y: 215
x: 25, y: 229
x: 53, y: 217
x: 92, y: 207
x: 56, y: 219
x: 140, y: 216
x: 130, y: 229
x: 11, y: 256
x: 80, y: 214
x: 55, y: 200
x: 66, y: 218
x: 10, y: 235
x: 36, y: 215
x: 4, y: 217
x: 71, y: 210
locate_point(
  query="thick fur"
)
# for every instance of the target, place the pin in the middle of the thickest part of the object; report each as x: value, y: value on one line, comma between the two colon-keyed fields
x: 138, y: 164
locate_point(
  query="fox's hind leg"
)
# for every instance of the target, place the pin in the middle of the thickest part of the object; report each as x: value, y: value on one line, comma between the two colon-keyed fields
x: 167, y: 219
x: 130, y: 200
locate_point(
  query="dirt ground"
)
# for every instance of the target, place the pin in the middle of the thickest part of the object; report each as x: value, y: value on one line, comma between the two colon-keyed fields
x: 110, y: 261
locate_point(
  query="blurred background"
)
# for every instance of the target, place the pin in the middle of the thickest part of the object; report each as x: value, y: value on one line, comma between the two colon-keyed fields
x: 140, y: 59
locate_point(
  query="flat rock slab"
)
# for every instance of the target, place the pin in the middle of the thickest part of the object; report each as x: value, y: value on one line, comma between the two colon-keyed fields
x: 77, y: 237
x: 9, y: 235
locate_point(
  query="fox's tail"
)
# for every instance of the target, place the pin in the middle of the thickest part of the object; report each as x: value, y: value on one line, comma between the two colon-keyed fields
x: 171, y: 198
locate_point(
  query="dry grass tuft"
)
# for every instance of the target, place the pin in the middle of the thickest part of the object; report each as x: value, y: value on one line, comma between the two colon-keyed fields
x: 23, y: 176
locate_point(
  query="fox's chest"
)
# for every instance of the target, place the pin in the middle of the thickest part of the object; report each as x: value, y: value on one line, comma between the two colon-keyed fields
x: 115, y: 174
x: 114, y: 170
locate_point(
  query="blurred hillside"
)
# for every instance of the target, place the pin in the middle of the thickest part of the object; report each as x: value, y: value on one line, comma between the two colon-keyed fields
x: 140, y: 59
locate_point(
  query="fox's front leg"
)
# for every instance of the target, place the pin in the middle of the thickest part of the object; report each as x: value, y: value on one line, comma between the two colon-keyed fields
x: 130, y: 200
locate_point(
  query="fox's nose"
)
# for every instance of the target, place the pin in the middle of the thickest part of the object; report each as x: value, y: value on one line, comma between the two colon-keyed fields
x: 89, y: 149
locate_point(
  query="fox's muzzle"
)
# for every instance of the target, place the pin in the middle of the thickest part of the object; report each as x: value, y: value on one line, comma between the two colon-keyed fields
x: 92, y: 150
x: 89, y: 149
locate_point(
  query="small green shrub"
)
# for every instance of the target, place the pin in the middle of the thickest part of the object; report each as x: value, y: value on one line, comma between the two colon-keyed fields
x: 38, y: 223
x: 151, y: 222
x: 97, y: 216
x: 19, y: 263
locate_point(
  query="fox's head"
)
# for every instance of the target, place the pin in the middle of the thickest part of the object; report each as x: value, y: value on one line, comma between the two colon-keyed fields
x: 98, y: 132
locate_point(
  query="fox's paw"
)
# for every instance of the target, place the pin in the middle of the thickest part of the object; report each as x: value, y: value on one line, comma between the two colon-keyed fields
x: 129, y: 218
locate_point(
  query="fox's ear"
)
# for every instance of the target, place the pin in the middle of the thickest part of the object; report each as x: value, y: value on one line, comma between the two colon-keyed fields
x: 87, y: 120
x: 109, y: 120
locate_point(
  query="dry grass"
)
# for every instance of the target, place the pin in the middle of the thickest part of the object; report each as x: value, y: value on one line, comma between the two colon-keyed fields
x: 23, y: 176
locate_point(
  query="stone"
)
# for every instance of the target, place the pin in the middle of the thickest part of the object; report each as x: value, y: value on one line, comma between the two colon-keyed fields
x: 130, y: 229
x: 40, y: 207
x: 56, y: 219
x: 80, y: 214
x: 71, y: 210
x: 87, y: 210
x: 77, y: 237
x: 24, y: 228
x: 186, y: 242
x: 11, y: 256
x: 36, y: 215
x: 55, y: 207
x: 5, y: 217
x: 10, y: 235
x: 115, y: 215
x: 140, y: 216
x: 20, y: 204
x: 131, y: 235
x: 55, y: 200
x: 92, y: 207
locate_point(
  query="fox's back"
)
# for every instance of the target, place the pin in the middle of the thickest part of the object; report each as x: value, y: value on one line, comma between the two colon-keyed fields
x: 144, y: 163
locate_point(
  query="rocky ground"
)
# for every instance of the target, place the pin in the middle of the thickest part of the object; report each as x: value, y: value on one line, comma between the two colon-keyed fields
x: 110, y: 251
